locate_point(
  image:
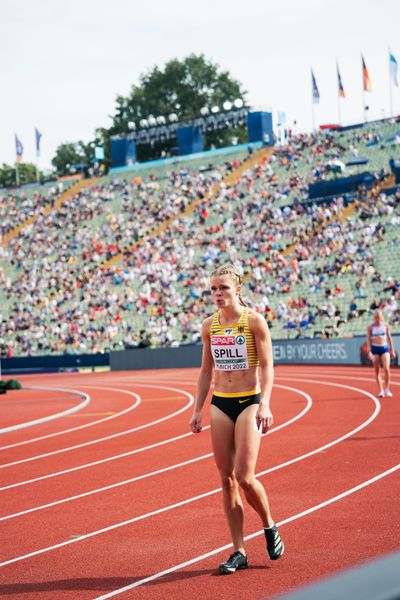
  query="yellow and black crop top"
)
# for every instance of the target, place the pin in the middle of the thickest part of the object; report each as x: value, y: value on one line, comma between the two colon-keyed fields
x: 233, y: 346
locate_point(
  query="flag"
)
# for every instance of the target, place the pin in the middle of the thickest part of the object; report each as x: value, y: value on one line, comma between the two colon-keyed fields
x: 393, y: 69
x: 19, y: 149
x: 315, y: 92
x: 366, y: 80
x: 340, y: 84
x: 38, y: 136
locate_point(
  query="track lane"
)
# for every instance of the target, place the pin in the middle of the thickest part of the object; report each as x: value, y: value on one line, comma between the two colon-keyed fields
x: 118, y: 571
x: 289, y: 421
x: 181, y: 452
x: 264, y: 579
x: 86, y: 416
x: 104, y: 400
x: 18, y: 412
x: 96, y: 565
x: 102, y: 446
x: 143, y: 497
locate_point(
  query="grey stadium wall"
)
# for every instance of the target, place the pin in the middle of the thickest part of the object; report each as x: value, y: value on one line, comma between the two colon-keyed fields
x: 307, y: 351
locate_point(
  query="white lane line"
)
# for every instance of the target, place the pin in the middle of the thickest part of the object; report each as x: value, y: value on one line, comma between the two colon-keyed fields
x: 114, y: 435
x: 205, y: 494
x: 69, y: 411
x: 99, y: 462
x: 158, y: 471
x: 114, y: 416
x: 299, y: 377
x: 300, y: 515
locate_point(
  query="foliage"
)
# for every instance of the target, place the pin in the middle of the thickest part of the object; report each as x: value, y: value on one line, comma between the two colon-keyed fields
x: 183, y: 88
x: 26, y: 172
x: 73, y: 157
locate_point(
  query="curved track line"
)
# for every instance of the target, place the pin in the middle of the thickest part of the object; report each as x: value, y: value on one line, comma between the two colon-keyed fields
x: 252, y: 535
x: 114, y: 435
x: 158, y: 471
x: 353, y: 378
x: 50, y: 435
x: 86, y: 400
x: 209, y: 493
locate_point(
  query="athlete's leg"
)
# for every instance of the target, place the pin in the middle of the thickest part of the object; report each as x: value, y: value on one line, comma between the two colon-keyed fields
x: 377, y: 364
x: 386, y: 369
x: 247, y: 442
x: 223, y: 442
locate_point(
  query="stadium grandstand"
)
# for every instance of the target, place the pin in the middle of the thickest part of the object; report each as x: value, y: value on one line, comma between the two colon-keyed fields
x: 122, y: 261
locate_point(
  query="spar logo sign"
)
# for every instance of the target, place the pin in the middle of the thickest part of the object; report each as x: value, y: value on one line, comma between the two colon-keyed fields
x: 223, y: 340
x: 240, y: 339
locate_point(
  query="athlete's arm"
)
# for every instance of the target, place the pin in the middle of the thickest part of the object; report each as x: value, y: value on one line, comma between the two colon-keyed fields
x: 263, y: 342
x: 205, y: 377
x: 390, y: 340
x: 369, y: 339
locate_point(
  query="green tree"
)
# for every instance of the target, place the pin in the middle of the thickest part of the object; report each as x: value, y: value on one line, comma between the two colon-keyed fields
x: 183, y: 88
x: 26, y: 172
x: 71, y: 157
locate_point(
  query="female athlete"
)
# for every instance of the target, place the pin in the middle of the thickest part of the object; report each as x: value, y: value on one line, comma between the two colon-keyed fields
x: 380, y: 349
x: 236, y: 346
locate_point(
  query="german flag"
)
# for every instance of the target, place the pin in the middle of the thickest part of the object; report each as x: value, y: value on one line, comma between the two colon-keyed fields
x: 366, y: 79
x: 340, y: 84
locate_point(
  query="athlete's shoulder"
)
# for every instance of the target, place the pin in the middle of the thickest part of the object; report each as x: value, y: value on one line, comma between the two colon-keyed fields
x: 256, y: 320
x: 206, y: 325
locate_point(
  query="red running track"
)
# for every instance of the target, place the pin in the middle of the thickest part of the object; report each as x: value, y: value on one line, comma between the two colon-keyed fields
x: 119, y: 499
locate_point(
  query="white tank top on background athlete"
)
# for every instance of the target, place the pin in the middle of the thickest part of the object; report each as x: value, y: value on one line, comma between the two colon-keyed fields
x: 379, y: 331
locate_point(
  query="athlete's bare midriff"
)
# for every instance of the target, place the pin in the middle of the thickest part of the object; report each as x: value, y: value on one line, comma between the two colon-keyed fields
x: 378, y: 340
x: 236, y: 381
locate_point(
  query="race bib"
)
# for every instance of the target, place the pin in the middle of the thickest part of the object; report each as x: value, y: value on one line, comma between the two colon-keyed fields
x: 229, y: 352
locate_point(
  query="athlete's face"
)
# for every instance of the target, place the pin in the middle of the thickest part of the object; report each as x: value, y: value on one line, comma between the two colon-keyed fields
x: 225, y: 291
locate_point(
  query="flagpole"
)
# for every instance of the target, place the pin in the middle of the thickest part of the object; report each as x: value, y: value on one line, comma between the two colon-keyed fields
x: 364, y: 111
x: 16, y: 174
x: 37, y: 169
x: 390, y: 85
x: 338, y: 92
x: 314, y: 98
x: 363, y: 89
x: 312, y: 114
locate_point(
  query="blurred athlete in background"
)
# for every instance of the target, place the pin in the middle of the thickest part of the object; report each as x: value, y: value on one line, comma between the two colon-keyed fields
x: 380, y: 349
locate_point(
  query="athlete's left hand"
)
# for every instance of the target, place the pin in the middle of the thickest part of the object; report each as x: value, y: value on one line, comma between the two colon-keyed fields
x: 393, y: 353
x: 264, y: 418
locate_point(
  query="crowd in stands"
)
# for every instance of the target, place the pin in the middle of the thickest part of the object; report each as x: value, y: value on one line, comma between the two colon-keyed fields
x: 104, y: 273
x: 17, y: 207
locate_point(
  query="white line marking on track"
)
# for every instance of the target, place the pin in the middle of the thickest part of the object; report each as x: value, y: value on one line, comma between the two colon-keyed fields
x: 114, y: 435
x: 251, y: 536
x: 56, y: 433
x: 211, y: 492
x: 101, y: 461
x: 69, y: 411
x: 158, y: 471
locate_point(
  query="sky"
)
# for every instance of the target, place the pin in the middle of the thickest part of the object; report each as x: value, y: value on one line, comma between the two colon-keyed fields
x: 65, y: 62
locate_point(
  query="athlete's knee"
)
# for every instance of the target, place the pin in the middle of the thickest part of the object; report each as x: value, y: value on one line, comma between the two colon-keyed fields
x: 246, y: 481
x: 228, y: 481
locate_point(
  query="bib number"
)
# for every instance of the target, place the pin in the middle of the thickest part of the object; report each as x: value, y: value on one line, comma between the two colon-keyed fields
x: 229, y: 352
